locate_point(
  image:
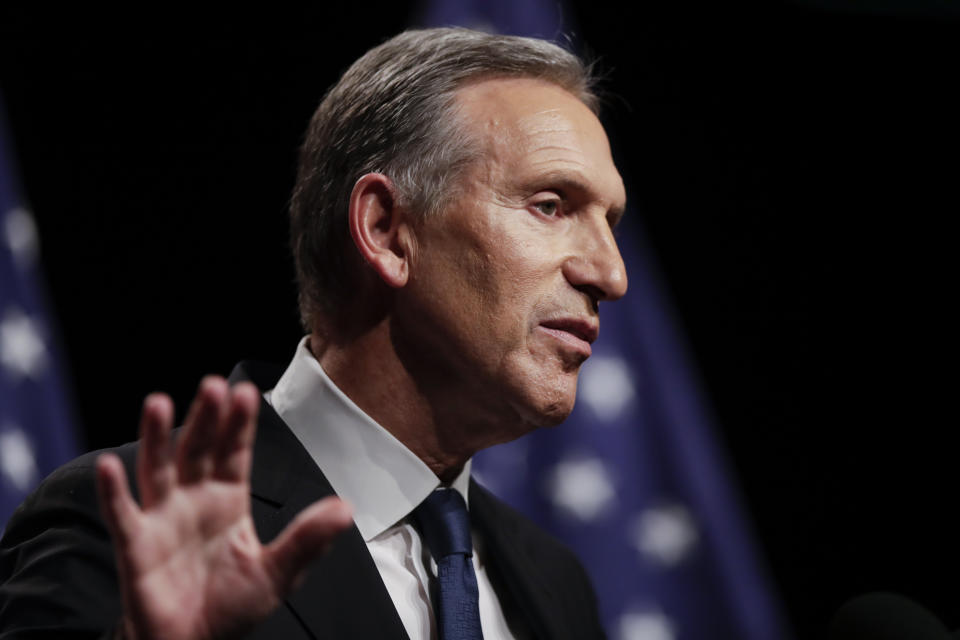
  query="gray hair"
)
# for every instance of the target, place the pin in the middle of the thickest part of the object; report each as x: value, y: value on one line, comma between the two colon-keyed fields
x: 394, y: 112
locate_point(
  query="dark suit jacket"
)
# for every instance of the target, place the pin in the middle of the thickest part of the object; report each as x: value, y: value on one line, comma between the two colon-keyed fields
x: 58, y: 579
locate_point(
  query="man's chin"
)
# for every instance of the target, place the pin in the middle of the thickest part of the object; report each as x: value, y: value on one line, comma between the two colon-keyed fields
x: 557, y: 415
x: 532, y: 420
x: 545, y: 395
x: 550, y: 412
x: 557, y: 406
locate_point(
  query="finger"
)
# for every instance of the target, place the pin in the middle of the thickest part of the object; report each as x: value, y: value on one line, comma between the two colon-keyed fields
x: 309, y: 535
x: 235, y: 444
x: 155, y: 472
x: 116, y: 504
x: 198, y: 441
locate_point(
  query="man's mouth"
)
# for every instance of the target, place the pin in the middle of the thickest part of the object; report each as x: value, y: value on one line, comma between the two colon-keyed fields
x: 574, y: 332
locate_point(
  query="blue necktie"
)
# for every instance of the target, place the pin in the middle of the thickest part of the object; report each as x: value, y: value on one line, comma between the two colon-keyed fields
x: 445, y: 526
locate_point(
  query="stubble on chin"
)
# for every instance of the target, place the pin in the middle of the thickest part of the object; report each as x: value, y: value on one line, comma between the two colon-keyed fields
x: 549, y: 391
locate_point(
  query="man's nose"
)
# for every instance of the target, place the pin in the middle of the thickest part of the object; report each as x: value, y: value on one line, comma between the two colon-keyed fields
x: 596, y: 265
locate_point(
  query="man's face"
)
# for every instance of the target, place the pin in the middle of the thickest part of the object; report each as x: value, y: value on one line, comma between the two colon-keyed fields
x: 504, y: 284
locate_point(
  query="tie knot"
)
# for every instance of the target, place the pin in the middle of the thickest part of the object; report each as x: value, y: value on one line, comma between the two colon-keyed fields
x: 445, y: 524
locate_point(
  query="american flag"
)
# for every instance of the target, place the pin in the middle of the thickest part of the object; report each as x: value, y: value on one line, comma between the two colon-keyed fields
x: 635, y: 481
x: 36, y: 426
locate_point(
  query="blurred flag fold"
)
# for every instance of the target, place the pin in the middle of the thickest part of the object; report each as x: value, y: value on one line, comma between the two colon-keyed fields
x: 36, y: 424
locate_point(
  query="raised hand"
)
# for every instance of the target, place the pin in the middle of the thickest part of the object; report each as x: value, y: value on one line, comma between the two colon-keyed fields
x: 189, y: 561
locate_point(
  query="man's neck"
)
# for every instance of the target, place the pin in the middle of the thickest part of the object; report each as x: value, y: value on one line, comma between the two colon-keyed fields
x: 369, y: 372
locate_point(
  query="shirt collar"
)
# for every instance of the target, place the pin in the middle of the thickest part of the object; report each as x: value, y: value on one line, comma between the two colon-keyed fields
x: 366, y: 465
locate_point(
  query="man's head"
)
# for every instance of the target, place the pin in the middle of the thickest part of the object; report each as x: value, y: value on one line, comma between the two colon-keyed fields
x: 477, y: 240
x: 394, y: 112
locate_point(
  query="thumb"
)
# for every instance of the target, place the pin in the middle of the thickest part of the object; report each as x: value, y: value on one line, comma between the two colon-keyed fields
x: 304, y: 539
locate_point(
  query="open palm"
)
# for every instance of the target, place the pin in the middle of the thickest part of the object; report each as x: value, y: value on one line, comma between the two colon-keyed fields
x: 189, y: 560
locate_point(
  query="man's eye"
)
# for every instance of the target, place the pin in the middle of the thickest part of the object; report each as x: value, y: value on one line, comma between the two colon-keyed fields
x: 548, y: 207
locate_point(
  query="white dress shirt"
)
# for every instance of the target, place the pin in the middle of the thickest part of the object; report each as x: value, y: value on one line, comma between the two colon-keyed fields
x: 384, y: 481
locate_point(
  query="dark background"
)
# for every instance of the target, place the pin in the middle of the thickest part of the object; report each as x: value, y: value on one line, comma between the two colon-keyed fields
x: 793, y: 167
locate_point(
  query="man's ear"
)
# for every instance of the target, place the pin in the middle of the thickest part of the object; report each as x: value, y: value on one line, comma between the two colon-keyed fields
x: 380, y: 228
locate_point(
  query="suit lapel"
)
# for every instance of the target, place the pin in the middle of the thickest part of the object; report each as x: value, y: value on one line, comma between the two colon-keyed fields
x: 508, y: 552
x: 343, y: 595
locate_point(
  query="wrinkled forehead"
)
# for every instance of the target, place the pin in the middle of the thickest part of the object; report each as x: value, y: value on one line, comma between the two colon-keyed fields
x: 499, y: 107
x: 526, y: 127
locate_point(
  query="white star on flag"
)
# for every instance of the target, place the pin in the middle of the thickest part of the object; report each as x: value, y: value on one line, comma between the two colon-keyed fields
x: 647, y: 625
x: 20, y: 233
x: 665, y: 534
x: 606, y: 386
x: 22, y: 350
x: 17, y: 461
x: 582, y: 487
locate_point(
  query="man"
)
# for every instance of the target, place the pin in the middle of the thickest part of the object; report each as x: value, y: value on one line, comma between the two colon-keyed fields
x: 452, y: 230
